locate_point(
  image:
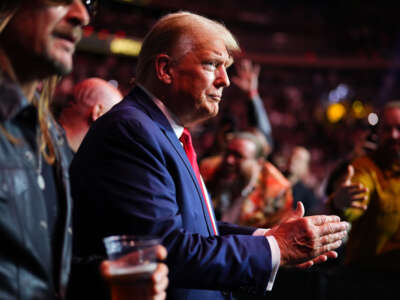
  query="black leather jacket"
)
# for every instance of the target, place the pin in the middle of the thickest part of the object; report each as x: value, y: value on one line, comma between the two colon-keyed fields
x: 26, y: 254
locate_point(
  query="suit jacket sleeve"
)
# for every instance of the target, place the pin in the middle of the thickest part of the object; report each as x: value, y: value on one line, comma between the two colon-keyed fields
x: 125, y: 181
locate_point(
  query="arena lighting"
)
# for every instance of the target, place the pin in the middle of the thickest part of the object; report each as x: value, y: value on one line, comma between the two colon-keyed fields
x: 335, y: 112
x: 373, y: 119
x: 339, y: 93
x: 358, y: 109
x: 124, y: 46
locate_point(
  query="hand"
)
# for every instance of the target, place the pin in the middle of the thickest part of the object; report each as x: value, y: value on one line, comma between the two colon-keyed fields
x: 130, y: 286
x: 349, y: 194
x: 247, y: 77
x: 305, y: 241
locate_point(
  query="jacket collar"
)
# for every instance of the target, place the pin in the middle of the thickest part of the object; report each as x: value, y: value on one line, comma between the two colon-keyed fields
x: 12, y: 101
x: 144, y: 99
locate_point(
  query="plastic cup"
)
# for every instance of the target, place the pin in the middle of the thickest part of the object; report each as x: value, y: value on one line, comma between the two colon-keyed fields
x: 132, y: 261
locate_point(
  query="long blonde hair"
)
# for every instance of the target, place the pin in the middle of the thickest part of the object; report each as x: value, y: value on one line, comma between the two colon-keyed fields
x: 7, y: 11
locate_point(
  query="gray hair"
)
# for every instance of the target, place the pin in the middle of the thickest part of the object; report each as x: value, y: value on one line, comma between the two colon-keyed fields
x: 250, y: 137
x: 166, y: 34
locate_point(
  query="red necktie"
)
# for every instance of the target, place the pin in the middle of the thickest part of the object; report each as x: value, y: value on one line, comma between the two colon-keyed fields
x: 186, y: 140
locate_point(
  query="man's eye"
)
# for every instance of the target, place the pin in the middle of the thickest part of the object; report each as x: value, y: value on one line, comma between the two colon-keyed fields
x: 210, y: 64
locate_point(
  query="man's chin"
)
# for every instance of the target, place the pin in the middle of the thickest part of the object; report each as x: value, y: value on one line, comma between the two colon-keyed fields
x: 62, y: 67
x: 60, y: 61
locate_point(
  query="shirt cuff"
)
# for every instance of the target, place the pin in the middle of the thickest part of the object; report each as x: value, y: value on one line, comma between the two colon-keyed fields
x: 275, y: 255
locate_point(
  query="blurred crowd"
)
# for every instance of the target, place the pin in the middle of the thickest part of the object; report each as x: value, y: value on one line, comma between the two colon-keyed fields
x: 291, y: 160
x: 297, y: 111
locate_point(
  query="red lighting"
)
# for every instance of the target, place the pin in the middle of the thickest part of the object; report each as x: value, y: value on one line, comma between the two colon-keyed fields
x: 103, y: 34
x: 120, y: 34
x: 88, y: 31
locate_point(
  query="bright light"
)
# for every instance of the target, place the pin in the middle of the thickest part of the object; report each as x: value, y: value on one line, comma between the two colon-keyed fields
x: 125, y: 46
x: 341, y: 92
x: 358, y: 109
x: 113, y: 82
x: 373, y: 119
x: 335, y: 112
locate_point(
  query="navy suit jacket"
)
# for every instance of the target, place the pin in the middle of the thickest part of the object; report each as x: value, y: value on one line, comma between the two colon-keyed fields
x: 132, y: 176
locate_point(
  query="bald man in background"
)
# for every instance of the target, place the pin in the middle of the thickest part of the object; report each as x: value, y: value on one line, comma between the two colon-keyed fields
x: 92, y: 97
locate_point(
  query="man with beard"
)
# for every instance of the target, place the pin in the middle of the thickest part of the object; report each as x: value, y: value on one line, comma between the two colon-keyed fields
x: 245, y: 188
x: 372, y: 186
x: 37, y: 42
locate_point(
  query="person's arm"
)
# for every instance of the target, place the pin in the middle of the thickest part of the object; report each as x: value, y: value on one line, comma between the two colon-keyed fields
x: 259, y: 119
x: 135, y: 186
x: 138, y: 187
x: 247, y: 80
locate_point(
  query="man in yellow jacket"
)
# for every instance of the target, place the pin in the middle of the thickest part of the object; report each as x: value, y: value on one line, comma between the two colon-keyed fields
x: 372, y: 186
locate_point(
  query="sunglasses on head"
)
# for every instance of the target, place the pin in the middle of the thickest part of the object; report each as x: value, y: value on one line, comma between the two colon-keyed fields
x: 91, y: 5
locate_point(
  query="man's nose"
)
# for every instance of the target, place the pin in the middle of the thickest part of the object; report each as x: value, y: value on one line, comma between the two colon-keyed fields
x: 78, y: 14
x: 222, y: 78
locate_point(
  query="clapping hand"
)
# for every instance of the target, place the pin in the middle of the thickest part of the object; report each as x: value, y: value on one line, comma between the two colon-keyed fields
x: 305, y: 241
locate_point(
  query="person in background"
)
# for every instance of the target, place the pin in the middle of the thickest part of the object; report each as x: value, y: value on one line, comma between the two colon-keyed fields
x: 245, y: 188
x: 369, y: 197
x: 92, y: 97
x: 297, y: 170
x: 137, y: 168
x: 246, y: 79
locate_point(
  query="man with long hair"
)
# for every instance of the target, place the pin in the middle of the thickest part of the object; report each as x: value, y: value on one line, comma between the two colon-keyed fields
x: 37, y: 42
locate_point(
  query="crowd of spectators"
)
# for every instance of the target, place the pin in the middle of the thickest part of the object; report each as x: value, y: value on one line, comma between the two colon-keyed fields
x: 296, y: 101
x: 296, y: 98
x: 290, y: 140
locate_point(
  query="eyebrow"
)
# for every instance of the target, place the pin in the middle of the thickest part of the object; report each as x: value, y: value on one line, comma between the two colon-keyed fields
x: 220, y: 55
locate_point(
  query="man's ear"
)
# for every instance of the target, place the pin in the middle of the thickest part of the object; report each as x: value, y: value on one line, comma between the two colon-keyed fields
x: 163, y: 65
x: 97, y: 111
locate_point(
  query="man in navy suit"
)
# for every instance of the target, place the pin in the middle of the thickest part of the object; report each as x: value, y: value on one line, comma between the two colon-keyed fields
x: 132, y: 175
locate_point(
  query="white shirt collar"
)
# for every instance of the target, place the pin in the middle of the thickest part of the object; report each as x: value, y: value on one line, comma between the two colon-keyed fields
x: 172, y: 119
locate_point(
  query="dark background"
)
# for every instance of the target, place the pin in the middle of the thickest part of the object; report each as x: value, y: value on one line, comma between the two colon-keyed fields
x: 305, y: 49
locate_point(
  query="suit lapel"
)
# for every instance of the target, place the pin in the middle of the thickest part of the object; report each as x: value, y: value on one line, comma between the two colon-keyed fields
x: 181, y: 153
x: 158, y: 117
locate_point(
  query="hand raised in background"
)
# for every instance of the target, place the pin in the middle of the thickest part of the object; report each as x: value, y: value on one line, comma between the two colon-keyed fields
x: 348, y: 194
x: 246, y: 77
